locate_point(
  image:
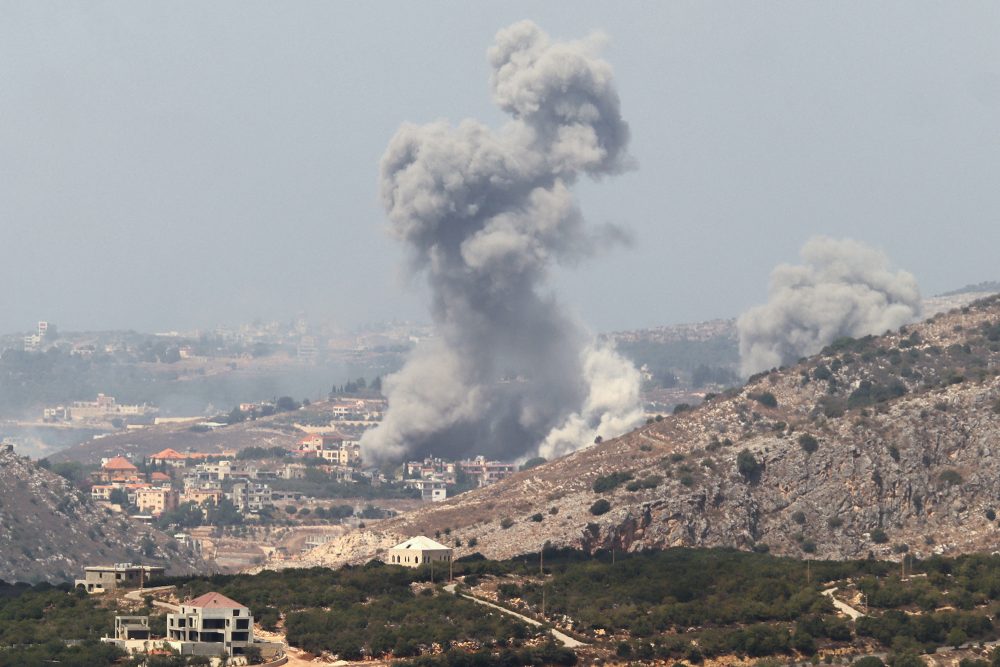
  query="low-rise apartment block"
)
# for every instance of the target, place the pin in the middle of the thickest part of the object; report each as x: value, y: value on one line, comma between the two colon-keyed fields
x: 109, y: 578
x: 156, y: 501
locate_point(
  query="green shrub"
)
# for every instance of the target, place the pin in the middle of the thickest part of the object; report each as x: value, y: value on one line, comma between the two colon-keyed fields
x: 808, y: 443
x: 537, y: 517
x: 834, y: 522
x: 950, y: 477
x: 600, y: 507
x: 868, y: 661
x: 879, y: 537
x: 991, y: 514
x: 534, y: 462
x: 766, y: 399
x: 606, y: 483
x: 506, y: 522
x: 747, y: 465
x: 799, y: 517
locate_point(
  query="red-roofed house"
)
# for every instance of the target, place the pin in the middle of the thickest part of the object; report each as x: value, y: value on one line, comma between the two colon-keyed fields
x: 170, y: 457
x: 213, y: 619
x: 159, y: 477
x: 117, y: 469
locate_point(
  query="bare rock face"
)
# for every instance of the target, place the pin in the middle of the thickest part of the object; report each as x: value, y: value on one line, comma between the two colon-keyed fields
x: 49, y: 530
x: 884, y: 445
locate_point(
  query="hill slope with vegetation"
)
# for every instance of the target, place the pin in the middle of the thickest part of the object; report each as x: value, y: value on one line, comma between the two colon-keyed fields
x: 49, y: 530
x: 881, y: 445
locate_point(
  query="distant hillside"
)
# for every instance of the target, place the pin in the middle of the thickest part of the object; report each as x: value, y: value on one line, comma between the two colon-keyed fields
x: 49, y: 530
x: 877, y: 445
x: 985, y: 287
x: 273, y: 431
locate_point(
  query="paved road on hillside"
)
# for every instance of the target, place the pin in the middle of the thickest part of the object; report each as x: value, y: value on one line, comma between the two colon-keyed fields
x: 842, y: 606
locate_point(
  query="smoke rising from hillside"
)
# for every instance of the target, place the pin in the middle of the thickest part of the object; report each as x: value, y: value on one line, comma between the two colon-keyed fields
x: 485, y: 214
x: 843, y: 288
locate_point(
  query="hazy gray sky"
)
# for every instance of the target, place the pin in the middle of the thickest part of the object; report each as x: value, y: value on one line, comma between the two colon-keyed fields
x: 182, y: 164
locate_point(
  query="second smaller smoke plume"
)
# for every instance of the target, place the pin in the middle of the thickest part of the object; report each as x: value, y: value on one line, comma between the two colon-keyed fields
x: 842, y: 288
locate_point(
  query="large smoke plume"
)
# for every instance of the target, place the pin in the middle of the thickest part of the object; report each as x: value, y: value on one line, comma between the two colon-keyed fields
x: 485, y: 214
x: 843, y: 288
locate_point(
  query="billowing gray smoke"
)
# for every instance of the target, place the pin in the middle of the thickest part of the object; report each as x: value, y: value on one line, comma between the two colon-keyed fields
x: 485, y: 214
x: 843, y: 288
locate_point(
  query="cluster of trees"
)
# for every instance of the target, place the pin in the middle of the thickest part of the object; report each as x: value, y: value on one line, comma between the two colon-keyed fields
x: 925, y: 631
x: 656, y: 592
x: 192, y: 515
x: 262, y: 453
x: 35, y: 621
x: 548, y: 654
x: 364, y: 611
x: 281, y: 404
x: 358, y: 386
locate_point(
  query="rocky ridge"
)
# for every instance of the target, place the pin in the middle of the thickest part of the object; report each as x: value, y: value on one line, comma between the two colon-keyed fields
x: 50, y: 530
x: 879, y: 445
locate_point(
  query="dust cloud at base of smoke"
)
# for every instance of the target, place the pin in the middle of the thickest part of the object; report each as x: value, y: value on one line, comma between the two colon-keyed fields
x: 842, y: 288
x: 485, y: 214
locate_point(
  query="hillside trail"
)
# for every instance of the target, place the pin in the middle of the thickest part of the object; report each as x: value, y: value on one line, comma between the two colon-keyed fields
x: 566, y: 640
x: 138, y: 595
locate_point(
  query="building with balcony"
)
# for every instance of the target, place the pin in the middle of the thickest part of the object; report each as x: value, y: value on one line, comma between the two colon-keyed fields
x: 215, y: 620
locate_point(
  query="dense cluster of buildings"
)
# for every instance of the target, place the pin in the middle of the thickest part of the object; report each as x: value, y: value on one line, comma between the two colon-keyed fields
x: 331, y: 447
x: 433, y: 476
x: 174, y: 478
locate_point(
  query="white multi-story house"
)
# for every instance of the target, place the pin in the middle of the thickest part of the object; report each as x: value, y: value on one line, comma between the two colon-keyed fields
x: 212, y: 619
x: 250, y: 496
x: 434, y: 490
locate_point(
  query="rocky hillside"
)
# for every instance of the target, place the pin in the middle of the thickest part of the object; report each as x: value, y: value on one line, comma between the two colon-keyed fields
x: 49, y: 530
x: 877, y: 445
